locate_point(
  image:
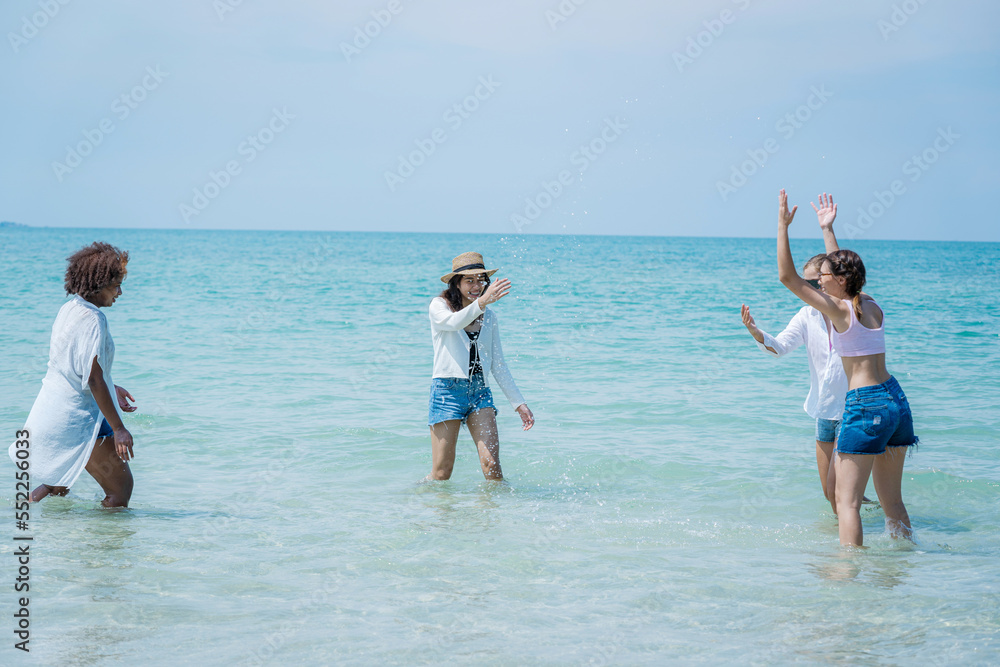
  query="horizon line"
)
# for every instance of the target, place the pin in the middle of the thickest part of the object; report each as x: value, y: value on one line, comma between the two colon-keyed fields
x: 10, y: 225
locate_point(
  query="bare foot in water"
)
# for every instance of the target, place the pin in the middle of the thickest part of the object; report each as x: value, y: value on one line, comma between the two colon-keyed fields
x: 45, y: 490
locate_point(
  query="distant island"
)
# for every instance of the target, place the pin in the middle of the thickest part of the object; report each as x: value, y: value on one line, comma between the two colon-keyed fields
x: 11, y: 224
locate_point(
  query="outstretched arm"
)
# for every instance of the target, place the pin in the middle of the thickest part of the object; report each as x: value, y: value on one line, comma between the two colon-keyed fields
x: 790, y: 277
x: 826, y: 214
x: 751, y: 326
x: 446, y: 320
x: 791, y: 337
x: 500, y: 370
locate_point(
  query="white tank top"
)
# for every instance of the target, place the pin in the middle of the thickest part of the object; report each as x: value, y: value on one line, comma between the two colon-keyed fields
x: 859, y: 340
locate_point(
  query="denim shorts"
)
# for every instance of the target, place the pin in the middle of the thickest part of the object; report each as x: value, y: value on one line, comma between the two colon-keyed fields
x: 457, y: 398
x: 876, y: 417
x: 827, y: 430
x: 106, y: 430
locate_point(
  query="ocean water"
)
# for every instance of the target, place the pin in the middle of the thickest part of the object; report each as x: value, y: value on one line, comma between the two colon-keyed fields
x: 664, y: 509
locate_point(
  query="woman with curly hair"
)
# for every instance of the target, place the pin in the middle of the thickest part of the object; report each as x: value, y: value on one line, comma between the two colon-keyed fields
x: 877, y: 426
x: 74, y: 424
x: 467, y: 350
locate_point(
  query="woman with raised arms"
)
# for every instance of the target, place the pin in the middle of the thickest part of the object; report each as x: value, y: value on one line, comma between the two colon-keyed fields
x: 467, y: 350
x: 877, y: 425
x: 827, y: 382
x: 74, y: 424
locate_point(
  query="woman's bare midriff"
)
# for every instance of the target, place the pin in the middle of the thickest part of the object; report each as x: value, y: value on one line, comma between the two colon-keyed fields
x: 866, y: 371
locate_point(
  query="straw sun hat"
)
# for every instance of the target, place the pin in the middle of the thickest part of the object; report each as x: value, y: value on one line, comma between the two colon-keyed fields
x: 467, y: 264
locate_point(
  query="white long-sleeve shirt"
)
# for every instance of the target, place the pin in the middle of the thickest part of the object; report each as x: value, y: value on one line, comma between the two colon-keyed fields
x: 452, y: 345
x: 827, y: 380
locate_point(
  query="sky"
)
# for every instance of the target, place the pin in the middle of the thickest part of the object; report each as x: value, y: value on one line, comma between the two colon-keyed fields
x: 517, y: 117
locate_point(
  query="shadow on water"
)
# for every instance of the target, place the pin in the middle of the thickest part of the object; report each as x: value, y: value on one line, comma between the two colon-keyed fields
x: 56, y: 508
x: 87, y: 556
x: 434, y: 513
x: 882, y: 571
x: 884, y: 563
x: 457, y: 505
x: 108, y: 566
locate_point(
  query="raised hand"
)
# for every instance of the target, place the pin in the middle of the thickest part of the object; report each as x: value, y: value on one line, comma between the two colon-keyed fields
x: 827, y: 211
x: 123, y: 399
x: 750, y: 324
x: 496, y: 291
x: 784, y: 215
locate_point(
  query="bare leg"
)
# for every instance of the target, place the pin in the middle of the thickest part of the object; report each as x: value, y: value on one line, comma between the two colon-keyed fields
x: 830, y: 488
x: 483, y: 427
x: 444, y: 435
x: 827, y: 474
x: 853, y: 471
x: 887, y: 474
x: 111, y: 473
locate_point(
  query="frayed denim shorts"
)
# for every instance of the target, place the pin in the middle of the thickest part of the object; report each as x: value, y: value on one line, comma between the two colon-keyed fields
x: 827, y: 429
x: 876, y: 417
x: 106, y: 430
x: 457, y: 398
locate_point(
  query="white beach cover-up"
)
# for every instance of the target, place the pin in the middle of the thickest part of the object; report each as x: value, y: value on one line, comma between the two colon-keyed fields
x: 64, y: 421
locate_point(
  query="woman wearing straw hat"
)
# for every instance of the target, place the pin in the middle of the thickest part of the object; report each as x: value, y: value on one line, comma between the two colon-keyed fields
x: 467, y: 349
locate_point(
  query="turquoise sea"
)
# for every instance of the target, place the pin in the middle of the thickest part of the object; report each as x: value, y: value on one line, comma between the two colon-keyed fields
x: 665, y: 509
